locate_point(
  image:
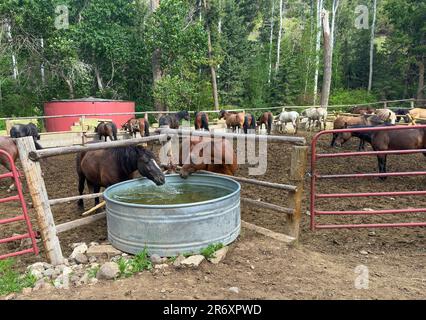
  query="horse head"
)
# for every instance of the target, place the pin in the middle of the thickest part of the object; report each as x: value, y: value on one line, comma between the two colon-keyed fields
x: 148, y: 167
x: 183, y: 115
x: 222, y: 114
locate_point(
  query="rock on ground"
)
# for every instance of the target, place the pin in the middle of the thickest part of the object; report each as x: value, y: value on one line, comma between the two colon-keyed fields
x: 219, y: 255
x: 109, y: 271
x: 103, y: 252
x: 193, y: 261
x: 82, y: 248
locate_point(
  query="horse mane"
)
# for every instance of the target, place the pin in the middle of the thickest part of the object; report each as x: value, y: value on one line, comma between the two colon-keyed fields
x: 127, y: 157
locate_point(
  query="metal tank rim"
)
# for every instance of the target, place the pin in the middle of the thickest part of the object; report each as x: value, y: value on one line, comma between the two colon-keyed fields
x: 171, y: 206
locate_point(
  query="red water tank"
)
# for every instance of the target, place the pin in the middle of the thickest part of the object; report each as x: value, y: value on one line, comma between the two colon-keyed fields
x: 85, y: 106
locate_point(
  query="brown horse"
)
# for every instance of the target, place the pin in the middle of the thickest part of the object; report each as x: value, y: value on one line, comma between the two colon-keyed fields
x: 223, y: 158
x: 342, y: 122
x: 362, y: 110
x: 105, y: 167
x: 396, y: 140
x: 233, y: 120
x: 8, y: 145
x: 266, y: 119
x: 201, y: 121
x: 134, y: 126
x: 106, y: 129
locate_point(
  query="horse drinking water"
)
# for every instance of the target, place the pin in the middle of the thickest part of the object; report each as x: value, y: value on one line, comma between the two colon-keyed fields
x: 105, y: 167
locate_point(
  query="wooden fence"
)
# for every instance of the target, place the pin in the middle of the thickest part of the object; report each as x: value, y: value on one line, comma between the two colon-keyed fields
x: 49, y: 231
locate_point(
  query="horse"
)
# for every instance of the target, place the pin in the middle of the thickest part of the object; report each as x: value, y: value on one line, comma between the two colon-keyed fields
x: 389, y: 140
x: 201, y: 121
x: 233, y: 120
x: 249, y: 123
x: 107, y: 129
x: 173, y: 120
x: 8, y: 145
x: 316, y: 114
x: 414, y: 114
x: 343, y: 122
x: 289, y: 116
x: 402, y: 113
x: 105, y: 167
x: 220, y: 152
x: 137, y: 125
x: 386, y: 115
x: 266, y: 119
x: 26, y: 130
x: 396, y: 140
x: 362, y: 110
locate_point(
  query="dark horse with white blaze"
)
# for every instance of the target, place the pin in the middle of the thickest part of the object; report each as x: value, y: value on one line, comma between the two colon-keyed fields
x: 107, y: 129
x: 173, y: 120
x: 105, y: 167
x: 26, y: 130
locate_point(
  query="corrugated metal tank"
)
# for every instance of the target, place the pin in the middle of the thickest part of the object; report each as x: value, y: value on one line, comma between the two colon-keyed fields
x: 85, y: 106
x: 169, y: 230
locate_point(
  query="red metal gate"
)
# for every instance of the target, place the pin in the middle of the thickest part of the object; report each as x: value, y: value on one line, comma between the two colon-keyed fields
x: 23, y: 217
x: 315, y: 175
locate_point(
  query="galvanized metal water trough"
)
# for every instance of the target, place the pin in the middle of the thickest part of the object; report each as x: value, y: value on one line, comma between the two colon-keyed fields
x: 169, y: 230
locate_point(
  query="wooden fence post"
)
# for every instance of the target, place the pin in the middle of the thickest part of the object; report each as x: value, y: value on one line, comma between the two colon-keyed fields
x: 83, y: 131
x: 40, y: 200
x: 299, y: 156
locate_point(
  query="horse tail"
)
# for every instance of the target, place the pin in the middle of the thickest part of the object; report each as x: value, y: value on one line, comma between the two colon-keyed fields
x: 204, y: 121
x: 114, y: 130
x: 245, y: 124
x: 146, y: 128
x: 270, y: 119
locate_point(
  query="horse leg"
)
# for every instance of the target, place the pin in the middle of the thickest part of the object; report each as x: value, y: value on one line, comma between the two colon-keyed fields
x: 96, y: 189
x: 81, y: 180
x: 382, y: 165
x: 333, y: 141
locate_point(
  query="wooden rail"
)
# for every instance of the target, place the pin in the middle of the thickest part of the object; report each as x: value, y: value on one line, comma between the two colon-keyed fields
x: 46, y: 153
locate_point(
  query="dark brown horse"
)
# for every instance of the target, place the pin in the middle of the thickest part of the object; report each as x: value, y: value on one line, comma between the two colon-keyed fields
x: 105, y: 167
x: 223, y: 158
x: 249, y: 123
x: 173, y: 120
x: 201, y: 121
x: 233, y: 120
x: 266, y: 119
x: 133, y: 126
x: 106, y: 129
x: 406, y: 139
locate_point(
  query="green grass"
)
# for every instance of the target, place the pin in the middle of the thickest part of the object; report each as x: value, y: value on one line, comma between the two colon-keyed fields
x: 134, y: 265
x: 211, y: 249
x: 12, y: 281
x: 93, y: 272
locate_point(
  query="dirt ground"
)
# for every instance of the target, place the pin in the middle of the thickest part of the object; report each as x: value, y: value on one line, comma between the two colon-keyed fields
x: 322, y: 266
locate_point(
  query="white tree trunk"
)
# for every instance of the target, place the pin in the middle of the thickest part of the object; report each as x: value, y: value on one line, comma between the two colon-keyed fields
x: 10, y: 39
x: 333, y: 24
x: 43, y: 78
x: 157, y: 73
x: 325, y: 92
x: 373, y: 27
x: 270, y: 40
x: 277, y: 65
x: 308, y: 64
x: 317, y: 49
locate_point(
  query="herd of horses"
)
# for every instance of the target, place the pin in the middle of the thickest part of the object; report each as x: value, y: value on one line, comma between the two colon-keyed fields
x: 105, y: 167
